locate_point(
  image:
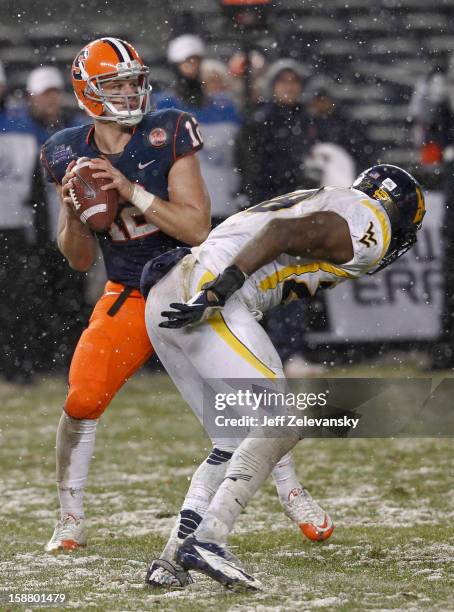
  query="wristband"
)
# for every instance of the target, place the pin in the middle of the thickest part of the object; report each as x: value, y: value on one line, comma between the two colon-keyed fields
x: 142, y: 199
x: 227, y: 283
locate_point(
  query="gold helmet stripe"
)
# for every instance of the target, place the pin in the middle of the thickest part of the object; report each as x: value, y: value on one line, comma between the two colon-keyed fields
x: 421, y: 210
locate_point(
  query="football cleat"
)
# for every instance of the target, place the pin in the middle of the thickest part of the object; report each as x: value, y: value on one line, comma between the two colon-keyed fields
x: 217, y: 562
x: 162, y: 573
x: 68, y: 535
x: 312, y: 520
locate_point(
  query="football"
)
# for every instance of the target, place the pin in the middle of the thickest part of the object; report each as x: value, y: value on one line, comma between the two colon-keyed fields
x: 93, y: 206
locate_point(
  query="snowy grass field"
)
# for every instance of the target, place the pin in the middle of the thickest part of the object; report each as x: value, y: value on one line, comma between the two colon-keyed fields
x: 392, y: 501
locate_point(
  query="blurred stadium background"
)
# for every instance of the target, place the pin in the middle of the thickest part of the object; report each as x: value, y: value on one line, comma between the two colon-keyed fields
x: 392, y: 499
x: 368, y: 56
x: 369, y: 53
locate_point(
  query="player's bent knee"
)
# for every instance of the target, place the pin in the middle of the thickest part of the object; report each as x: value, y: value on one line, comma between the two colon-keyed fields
x: 86, y: 401
x: 90, y: 382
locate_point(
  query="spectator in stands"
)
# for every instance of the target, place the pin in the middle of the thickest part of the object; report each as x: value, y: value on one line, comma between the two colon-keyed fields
x: 432, y: 110
x: 432, y: 114
x: 45, y: 89
x: 215, y: 77
x: 18, y: 267
x: 3, y: 88
x: 281, y: 133
x: 58, y: 292
x: 273, y: 142
x: 330, y: 124
x: 44, y: 115
x: 217, y: 115
x: 242, y: 67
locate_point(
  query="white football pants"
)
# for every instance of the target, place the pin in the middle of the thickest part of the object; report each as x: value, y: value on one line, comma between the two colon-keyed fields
x: 231, y: 346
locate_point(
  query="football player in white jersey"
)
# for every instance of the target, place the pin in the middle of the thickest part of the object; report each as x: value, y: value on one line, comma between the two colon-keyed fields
x: 252, y: 262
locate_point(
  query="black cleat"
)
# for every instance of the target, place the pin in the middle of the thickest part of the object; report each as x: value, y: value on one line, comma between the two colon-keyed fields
x: 162, y: 573
x: 217, y: 562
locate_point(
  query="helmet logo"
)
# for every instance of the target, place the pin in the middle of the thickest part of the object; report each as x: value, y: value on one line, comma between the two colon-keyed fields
x: 421, y: 210
x: 158, y: 137
x: 77, y: 74
x: 389, y: 184
x: 77, y: 69
x: 381, y: 194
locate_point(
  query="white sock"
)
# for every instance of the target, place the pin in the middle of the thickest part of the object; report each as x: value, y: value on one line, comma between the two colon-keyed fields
x: 249, y: 467
x: 285, y: 478
x: 204, y: 484
x: 75, y: 443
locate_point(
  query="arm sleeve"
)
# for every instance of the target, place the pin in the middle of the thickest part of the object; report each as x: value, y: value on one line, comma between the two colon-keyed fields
x: 188, y: 137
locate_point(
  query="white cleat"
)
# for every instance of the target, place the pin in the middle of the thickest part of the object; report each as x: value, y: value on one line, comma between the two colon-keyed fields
x: 69, y: 534
x: 312, y: 520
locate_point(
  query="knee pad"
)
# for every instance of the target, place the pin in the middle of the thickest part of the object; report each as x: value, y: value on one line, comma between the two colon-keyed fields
x: 87, y: 400
x: 90, y: 386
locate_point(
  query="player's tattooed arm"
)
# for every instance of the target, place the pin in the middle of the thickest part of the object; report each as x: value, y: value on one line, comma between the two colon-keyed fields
x: 75, y: 240
x: 185, y: 216
x: 321, y: 236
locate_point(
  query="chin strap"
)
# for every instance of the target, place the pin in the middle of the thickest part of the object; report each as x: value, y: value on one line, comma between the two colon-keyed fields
x: 396, y: 251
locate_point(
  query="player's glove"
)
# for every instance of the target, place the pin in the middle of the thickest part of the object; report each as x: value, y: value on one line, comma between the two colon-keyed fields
x: 207, y: 302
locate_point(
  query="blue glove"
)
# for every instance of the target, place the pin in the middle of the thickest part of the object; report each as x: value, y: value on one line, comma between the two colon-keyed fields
x: 207, y: 302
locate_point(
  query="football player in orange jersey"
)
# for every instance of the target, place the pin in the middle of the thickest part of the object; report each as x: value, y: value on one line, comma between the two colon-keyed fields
x: 149, y: 157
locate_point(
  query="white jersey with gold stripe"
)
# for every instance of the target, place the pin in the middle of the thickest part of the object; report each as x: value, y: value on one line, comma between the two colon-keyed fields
x: 289, y: 277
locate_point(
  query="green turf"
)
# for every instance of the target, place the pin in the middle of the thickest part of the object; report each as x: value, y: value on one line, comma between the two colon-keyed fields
x: 392, y: 500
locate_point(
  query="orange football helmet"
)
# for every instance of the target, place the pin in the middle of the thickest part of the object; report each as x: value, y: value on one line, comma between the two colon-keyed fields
x: 105, y: 60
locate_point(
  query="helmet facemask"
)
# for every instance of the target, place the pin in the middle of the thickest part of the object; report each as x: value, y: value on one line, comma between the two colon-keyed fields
x: 400, y: 243
x: 94, y: 90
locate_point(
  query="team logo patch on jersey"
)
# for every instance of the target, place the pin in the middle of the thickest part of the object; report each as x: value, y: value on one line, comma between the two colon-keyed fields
x: 158, y: 137
x: 61, y: 153
x: 369, y: 237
